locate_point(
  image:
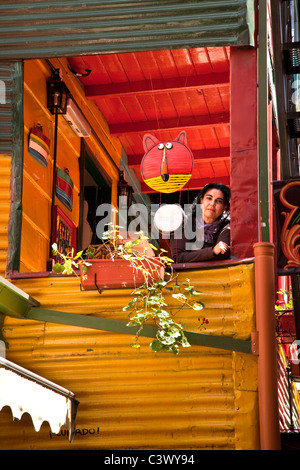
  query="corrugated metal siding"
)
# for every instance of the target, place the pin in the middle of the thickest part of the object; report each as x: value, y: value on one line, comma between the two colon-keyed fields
x: 73, y: 27
x: 6, y: 108
x: 11, y: 112
x: 204, y: 398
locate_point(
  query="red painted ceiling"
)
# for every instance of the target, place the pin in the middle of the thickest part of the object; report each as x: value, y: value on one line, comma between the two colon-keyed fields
x: 163, y: 93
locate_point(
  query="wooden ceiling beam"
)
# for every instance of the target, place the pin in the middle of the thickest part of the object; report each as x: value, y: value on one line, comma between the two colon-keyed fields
x: 157, y: 85
x: 169, y: 124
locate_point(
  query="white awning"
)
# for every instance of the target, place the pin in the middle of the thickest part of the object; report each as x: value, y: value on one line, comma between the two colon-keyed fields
x: 26, y: 392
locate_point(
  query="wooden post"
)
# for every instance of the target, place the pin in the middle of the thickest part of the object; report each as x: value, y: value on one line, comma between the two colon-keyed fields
x: 267, y: 352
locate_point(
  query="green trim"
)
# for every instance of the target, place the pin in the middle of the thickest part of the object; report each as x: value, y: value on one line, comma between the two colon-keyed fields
x: 15, y: 218
x: 263, y: 98
x: 13, y: 301
x: 219, y: 342
x: 95, y: 172
x: 16, y: 303
x: 250, y: 19
x: 117, y: 326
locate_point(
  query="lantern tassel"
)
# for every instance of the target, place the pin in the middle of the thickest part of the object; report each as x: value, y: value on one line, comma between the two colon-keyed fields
x: 164, y: 167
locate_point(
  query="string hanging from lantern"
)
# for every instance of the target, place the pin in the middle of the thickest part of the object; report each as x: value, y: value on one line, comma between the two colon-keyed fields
x: 166, y: 167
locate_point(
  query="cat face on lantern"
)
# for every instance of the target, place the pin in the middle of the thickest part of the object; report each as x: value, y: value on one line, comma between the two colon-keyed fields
x: 166, y: 166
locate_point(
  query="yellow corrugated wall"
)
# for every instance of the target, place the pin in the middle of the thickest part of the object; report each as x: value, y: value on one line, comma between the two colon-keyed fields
x: 5, y: 164
x: 204, y: 398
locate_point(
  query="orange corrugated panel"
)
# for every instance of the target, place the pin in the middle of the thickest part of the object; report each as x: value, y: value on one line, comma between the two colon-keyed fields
x: 204, y: 398
x: 5, y: 162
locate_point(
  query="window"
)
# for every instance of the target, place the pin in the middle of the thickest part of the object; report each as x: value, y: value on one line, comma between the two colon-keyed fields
x: 96, y: 186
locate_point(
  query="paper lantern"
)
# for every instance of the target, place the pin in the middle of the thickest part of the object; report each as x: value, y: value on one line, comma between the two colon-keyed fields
x: 169, y: 218
x: 166, y: 166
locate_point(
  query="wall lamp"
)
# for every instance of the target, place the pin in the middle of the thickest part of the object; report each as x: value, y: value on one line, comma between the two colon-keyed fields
x: 124, y: 191
x: 57, y: 98
x: 57, y: 93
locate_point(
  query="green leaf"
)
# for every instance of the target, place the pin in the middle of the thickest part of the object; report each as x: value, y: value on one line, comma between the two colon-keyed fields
x: 198, y: 306
x: 156, y: 345
x: 185, y: 343
x: 58, y: 268
x: 78, y: 255
x: 174, y: 349
x: 152, y: 246
x: 179, y: 296
x: 131, y: 243
x: 195, y: 292
x: 84, y: 269
x: 162, y: 314
x: 130, y: 304
x: 166, y: 338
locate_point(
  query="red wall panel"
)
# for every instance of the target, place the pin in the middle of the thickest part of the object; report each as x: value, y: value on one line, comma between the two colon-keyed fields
x: 244, y: 171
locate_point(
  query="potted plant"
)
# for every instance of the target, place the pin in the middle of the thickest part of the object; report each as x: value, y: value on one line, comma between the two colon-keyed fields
x: 119, y: 263
x: 115, y: 263
x: 151, y: 277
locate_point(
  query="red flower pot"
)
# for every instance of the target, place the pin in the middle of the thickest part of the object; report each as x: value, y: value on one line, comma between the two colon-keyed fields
x: 117, y: 273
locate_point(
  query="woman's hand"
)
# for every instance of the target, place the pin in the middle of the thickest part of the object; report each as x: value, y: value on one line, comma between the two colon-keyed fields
x: 220, y: 248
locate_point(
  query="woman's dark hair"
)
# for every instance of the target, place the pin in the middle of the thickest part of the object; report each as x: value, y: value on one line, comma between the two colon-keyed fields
x: 221, y: 187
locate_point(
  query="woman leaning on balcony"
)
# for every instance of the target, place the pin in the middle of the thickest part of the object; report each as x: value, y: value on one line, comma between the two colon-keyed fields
x: 210, y: 232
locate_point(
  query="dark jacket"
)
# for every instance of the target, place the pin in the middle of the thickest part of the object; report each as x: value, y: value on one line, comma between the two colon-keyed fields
x: 181, y: 255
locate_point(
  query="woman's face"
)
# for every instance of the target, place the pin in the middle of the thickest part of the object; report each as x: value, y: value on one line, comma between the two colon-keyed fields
x: 213, y: 205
